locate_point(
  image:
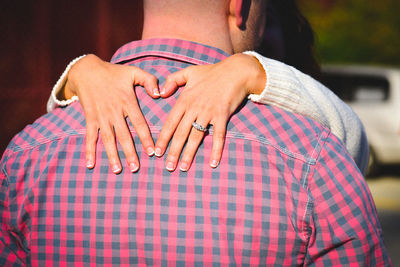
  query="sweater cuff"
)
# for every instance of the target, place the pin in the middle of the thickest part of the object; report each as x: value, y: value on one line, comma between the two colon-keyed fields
x: 53, y: 102
x: 282, y: 86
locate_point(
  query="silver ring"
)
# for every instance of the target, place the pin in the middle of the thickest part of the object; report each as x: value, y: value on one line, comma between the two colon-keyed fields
x: 199, y: 127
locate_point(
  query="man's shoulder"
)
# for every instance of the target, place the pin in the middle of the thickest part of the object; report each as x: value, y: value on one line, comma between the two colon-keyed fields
x: 297, y: 136
x: 58, y: 124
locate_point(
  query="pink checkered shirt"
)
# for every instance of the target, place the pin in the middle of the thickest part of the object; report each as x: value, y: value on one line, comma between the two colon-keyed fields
x: 286, y: 192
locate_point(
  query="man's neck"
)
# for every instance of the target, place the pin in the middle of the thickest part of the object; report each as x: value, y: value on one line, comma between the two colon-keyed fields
x: 207, y: 32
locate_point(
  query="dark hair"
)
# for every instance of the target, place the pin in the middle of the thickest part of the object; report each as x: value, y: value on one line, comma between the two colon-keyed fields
x: 296, y: 34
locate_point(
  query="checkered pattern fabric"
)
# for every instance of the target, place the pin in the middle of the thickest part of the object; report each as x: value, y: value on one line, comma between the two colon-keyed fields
x: 286, y: 192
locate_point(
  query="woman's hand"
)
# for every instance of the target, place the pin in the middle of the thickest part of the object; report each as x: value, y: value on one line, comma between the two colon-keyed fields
x: 212, y: 93
x: 107, y: 96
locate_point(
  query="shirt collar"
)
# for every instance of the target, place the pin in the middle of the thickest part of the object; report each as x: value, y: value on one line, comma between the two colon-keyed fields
x: 175, y: 49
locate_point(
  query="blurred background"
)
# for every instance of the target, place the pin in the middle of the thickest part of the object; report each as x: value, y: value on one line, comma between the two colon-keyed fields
x: 367, y: 34
x: 39, y: 38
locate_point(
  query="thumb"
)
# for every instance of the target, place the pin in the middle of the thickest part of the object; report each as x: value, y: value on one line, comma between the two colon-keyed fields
x: 173, y: 81
x: 147, y: 80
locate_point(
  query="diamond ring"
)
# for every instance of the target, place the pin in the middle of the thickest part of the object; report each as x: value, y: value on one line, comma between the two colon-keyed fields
x: 199, y: 127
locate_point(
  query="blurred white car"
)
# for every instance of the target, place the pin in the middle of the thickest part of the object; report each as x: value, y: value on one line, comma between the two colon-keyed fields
x: 374, y: 94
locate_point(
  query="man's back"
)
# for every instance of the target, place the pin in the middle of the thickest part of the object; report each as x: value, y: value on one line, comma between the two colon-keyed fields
x: 285, y: 192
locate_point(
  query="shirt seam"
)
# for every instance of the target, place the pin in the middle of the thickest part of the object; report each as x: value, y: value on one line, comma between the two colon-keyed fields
x: 45, y: 140
x: 131, y: 47
x: 167, y: 55
x: 310, y: 205
x: 306, y: 209
x: 229, y: 134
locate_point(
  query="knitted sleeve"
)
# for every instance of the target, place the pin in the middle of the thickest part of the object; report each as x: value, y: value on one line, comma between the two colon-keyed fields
x: 53, y: 102
x: 299, y: 93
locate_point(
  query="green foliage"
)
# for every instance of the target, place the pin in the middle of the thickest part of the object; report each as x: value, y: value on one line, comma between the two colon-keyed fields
x: 356, y: 31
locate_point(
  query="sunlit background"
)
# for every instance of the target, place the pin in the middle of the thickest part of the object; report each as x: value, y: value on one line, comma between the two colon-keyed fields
x: 356, y: 31
x: 39, y: 38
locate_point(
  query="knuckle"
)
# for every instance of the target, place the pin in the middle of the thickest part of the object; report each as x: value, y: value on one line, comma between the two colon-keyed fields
x: 221, y: 110
x: 186, y: 90
x: 153, y: 78
x: 169, y: 79
x: 124, y: 135
x: 186, y: 159
x: 139, y: 123
x: 180, y: 135
x: 124, y: 139
x: 128, y: 151
x: 172, y: 156
x: 92, y: 132
x: 189, y: 69
x: 107, y: 137
x: 125, y: 99
x: 113, y: 160
x: 208, y: 108
x: 105, y: 121
x: 90, y: 140
x: 89, y: 149
x: 91, y: 136
x: 196, y: 134
x: 182, y: 96
x: 145, y: 139
x: 216, y: 151
x: 219, y: 135
x: 91, y: 120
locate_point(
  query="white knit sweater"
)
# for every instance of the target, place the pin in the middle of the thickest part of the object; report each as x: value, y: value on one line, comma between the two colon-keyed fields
x: 294, y: 91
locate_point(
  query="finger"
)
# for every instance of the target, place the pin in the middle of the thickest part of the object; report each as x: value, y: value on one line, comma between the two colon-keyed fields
x: 195, y: 138
x: 148, y: 81
x: 219, y: 134
x: 91, y: 140
x: 124, y: 137
x: 142, y: 129
x: 180, y: 136
x: 174, y: 81
x: 168, y: 129
x: 109, y: 142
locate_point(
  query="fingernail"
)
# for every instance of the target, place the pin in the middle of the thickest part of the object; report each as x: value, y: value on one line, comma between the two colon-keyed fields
x: 183, y: 167
x: 170, y: 166
x: 89, y: 164
x: 155, y: 92
x: 162, y: 92
x: 133, y: 167
x: 214, y: 163
x: 150, y: 151
x: 158, y: 152
x: 116, y: 168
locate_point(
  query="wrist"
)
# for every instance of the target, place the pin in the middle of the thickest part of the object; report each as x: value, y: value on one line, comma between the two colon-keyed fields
x: 71, y: 87
x: 254, y: 73
x: 66, y: 92
x: 58, y: 89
